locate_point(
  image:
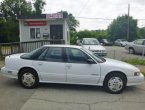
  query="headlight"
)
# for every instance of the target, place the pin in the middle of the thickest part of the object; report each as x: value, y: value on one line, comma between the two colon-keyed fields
x: 136, y: 73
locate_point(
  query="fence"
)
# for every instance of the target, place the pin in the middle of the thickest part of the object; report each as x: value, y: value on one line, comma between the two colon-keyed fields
x: 17, y: 47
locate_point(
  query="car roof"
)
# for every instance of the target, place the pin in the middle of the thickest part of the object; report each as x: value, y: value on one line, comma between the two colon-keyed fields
x: 72, y: 46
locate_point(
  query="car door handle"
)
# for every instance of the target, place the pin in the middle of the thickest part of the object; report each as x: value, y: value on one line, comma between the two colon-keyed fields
x: 40, y: 64
x: 68, y: 66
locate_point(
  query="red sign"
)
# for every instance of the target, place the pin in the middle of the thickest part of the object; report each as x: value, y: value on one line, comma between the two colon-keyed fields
x: 35, y: 23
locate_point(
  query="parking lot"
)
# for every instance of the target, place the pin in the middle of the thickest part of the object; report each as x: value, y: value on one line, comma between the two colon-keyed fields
x: 70, y: 97
x: 120, y: 53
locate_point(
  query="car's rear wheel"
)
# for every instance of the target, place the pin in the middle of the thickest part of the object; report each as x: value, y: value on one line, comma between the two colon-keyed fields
x: 28, y: 78
x: 131, y: 51
x: 115, y: 83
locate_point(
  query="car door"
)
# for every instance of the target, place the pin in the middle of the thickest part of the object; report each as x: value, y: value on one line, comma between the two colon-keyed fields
x: 117, y: 42
x: 51, y: 65
x: 79, y: 70
x: 144, y: 47
x: 138, y: 46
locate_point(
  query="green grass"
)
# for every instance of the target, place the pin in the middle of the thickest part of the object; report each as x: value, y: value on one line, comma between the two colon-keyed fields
x: 135, y: 61
x: 143, y: 73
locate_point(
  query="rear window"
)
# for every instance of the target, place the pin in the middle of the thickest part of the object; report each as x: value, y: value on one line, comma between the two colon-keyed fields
x: 34, y: 54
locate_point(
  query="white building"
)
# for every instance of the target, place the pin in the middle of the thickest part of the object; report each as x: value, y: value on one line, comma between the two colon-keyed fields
x: 44, y: 27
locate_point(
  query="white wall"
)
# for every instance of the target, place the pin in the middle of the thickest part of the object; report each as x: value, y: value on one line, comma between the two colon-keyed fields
x: 25, y: 30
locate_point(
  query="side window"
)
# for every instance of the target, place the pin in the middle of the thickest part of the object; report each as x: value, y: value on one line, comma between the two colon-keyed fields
x: 76, y: 56
x: 139, y: 42
x: 35, y: 33
x: 53, y: 54
x: 144, y: 42
x: 38, y: 33
x: 32, y: 33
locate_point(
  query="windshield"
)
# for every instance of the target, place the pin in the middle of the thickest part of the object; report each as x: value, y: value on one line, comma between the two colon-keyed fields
x: 97, y: 58
x: 105, y: 40
x: 90, y: 42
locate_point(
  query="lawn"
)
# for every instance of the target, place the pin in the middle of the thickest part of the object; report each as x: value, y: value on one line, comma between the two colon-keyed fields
x: 135, y: 61
x: 143, y: 73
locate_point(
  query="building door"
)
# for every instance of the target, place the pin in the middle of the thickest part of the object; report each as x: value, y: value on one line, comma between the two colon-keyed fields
x: 56, y: 32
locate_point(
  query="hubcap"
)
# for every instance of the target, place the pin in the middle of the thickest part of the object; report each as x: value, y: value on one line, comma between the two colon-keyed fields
x: 115, y: 84
x: 28, y: 79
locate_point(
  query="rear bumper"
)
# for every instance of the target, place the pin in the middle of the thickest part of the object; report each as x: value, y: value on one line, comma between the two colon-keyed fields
x: 136, y: 80
x: 9, y: 73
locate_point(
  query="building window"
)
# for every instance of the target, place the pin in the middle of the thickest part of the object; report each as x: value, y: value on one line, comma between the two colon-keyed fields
x: 35, y: 33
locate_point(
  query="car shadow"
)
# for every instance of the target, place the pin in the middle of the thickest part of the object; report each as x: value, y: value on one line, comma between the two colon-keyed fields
x: 13, y: 83
x: 70, y: 87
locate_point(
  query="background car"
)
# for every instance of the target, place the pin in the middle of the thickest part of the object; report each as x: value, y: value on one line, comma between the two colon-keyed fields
x: 106, y: 42
x: 93, y: 45
x: 120, y: 42
x: 137, y: 46
x: 70, y: 65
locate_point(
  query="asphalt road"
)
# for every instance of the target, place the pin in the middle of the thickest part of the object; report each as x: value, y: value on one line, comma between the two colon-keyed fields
x: 68, y: 97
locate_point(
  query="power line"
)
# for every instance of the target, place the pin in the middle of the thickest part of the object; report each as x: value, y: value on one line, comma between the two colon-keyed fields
x: 102, y: 18
x: 83, y: 7
x: 94, y: 18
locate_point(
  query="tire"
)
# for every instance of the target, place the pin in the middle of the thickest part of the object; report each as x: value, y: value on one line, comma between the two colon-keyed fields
x: 115, y: 83
x: 28, y: 78
x: 131, y: 51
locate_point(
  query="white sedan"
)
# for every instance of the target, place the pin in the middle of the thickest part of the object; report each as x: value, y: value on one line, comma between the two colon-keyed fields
x: 71, y: 65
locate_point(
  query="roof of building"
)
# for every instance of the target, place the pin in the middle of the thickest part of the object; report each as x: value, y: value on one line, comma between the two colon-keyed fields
x: 59, y: 15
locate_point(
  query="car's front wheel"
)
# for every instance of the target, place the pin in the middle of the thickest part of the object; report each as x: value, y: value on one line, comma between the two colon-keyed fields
x: 28, y: 78
x: 115, y: 83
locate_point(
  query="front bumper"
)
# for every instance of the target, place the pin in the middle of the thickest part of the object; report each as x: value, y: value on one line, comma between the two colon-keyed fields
x: 135, y: 80
x: 9, y: 73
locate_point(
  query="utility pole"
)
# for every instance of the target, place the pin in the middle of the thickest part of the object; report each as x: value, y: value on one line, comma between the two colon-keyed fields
x: 128, y: 27
x: 19, y: 7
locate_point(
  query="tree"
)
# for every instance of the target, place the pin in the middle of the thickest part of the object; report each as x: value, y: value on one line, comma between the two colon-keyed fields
x: 99, y: 34
x: 2, y: 30
x: 13, y: 8
x: 141, y: 32
x: 118, y: 28
x: 38, y: 5
x: 73, y: 24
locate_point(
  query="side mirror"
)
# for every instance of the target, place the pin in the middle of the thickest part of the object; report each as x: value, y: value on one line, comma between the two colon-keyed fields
x: 90, y: 61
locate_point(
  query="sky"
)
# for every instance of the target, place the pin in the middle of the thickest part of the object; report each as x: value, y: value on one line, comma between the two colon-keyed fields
x: 106, y: 9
